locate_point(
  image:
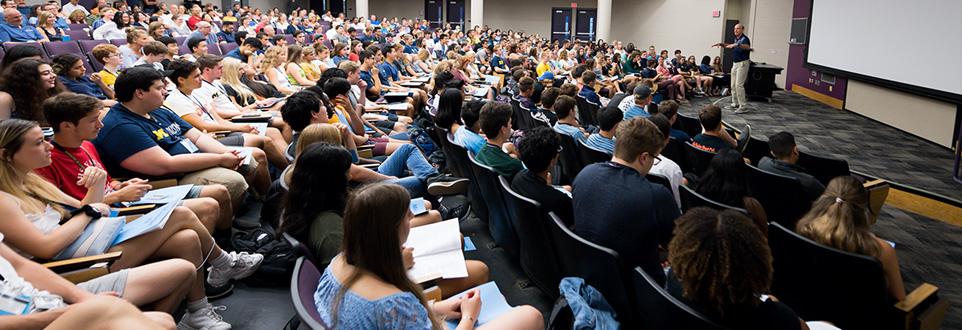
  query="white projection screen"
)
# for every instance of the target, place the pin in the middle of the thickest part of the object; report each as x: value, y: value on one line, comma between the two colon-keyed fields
x: 914, y: 45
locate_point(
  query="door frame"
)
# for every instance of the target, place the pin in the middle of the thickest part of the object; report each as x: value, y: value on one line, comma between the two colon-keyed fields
x: 571, y: 28
x: 592, y: 30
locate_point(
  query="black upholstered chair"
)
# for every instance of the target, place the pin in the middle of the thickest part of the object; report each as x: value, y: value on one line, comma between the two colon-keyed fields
x: 499, y: 223
x: 587, y: 112
x: 822, y: 168
x: 657, y: 309
x: 780, y: 195
x: 538, y: 259
x: 456, y: 160
x: 689, y: 125
x: 591, y: 155
x: 847, y: 289
x: 698, y: 158
x: 570, y: 159
x: 691, y: 199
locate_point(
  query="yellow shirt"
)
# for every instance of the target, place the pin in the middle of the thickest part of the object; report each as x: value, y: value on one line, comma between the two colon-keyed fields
x: 542, y: 68
x: 109, y: 78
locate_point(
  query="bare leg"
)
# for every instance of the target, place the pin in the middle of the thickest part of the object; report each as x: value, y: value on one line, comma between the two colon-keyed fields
x: 425, y: 219
x: 220, y: 194
x: 260, y: 179
x: 163, y: 283
x: 521, y: 317
x: 278, y: 140
x: 477, y: 274
x: 267, y: 145
x: 206, y: 209
x: 109, y: 313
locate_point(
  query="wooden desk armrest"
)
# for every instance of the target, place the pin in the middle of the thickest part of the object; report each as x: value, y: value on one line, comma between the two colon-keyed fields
x: 139, y: 209
x: 63, y: 266
x: 220, y: 134
x: 916, y: 297
x: 432, y: 293
x: 365, y: 147
x: 162, y: 183
x: 253, y: 119
x: 878, y: 192
x: 365, y: 153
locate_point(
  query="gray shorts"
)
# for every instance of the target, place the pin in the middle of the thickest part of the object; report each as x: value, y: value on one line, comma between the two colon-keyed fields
x: 194, y: 192
x: 235, y: 139
x: 115, y: 282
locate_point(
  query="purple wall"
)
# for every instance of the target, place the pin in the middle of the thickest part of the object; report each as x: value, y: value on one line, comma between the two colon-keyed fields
x: 798, y: 74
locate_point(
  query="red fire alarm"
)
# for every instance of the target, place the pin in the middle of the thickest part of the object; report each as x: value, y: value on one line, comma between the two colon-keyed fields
x: 574, y: 5
x: 716, y: 13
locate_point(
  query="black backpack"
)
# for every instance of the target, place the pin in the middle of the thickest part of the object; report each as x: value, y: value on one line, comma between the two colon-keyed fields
x: 279, y: 257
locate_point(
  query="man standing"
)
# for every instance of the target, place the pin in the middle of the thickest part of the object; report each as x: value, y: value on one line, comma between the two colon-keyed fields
x: 740, y: 50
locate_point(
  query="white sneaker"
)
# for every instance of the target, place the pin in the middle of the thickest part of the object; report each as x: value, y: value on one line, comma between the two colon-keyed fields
x: 244, y: 265
x: 204, y: 319
x: 742, y: 109
x: 731, y: 107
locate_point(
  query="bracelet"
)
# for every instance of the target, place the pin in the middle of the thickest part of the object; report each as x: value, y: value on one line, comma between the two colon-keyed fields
x: 468, y: 318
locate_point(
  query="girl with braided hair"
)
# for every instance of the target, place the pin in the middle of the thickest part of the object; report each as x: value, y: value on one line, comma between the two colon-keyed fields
x: 723, y: 268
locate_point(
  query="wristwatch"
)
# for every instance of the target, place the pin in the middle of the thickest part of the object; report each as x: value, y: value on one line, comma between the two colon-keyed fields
x: 90, y: 211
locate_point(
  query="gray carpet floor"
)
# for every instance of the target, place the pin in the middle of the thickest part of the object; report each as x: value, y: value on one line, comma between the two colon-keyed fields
x: 929, y: 251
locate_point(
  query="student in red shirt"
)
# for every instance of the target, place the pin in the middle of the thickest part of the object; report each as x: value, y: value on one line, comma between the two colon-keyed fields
x: 75, y: 122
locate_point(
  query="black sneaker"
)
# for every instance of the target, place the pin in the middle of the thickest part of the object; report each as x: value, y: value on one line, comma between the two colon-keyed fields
x: 446, y: 185
x: 217, y: 292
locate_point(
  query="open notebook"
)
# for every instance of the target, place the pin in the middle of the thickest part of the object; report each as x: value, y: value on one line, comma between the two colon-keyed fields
x: 163, y: 195
x: 437, y: 251
x: 153, y: 221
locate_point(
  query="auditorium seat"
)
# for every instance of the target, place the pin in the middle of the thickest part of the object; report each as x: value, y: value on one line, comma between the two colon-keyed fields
x: 823, y: 283
x: 756, y: 149
x: 303, y: 284
x: 659, y: 180
x: 180, y: 40
x: 289, y: 38
x: 822, y: 168
x: 743, y: 137
x: 658, y: 309
x: 538, y: 259
x: 8, y: 45
x: 300, y: 248
x: 78, y: 35
x: 689, y: 125
x: 781, y: 196
x: 587, y: 111
x: 691, y: 199
x: 78, y: 26
x: 698, y: 158
x: 227, y: 47
x: 591, y: 155
x: 88, y: 45
x: 599, y: 266
x: 570, y: 159
x: 456, y: 160
x: 55, y: 48
x: 499, y: 224
x: 118, y: 42
x: 94, y: 64
x: 675, y: 150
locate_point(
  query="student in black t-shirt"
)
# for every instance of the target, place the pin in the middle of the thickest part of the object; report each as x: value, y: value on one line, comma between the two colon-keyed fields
x: 714, y: 138
x: 539, y: 152
x: 723, y: 267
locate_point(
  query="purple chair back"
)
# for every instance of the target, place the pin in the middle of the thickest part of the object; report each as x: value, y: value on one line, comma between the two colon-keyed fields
x: 180, y: 40
x: 79, y: 35
x: 8, y: 45
x: 78, y: 27
x: 214, y: 50
x: 118, y: 42
x: 303, y: 283
x: 55, y: 48
x: 88, y: 45
x: 227, y: 48
x: 95, y: 65
x: 308, y: 38
x: 289, y: 38
x: 327, y: 43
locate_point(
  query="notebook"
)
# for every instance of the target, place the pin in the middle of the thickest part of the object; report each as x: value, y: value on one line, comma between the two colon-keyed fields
x: 397, y: 94
x: 163, y: 195
x: 245, y: 153
x: 260, y: 127
x: 437, y: 251
x: 150, y: 222
x: 481, y: 91
x: 493, y: 304
x: 400, y: 106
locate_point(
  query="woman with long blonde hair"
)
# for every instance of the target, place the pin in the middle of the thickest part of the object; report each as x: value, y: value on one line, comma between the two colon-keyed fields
x: 33, y: 224
x: 272, y: 67
x: 237, y: 91
x: 840, y: 219
x: 47, y: 29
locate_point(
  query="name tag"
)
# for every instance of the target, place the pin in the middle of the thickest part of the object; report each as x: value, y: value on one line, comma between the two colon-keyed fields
x: 14, y: 305
x: 189, y: 145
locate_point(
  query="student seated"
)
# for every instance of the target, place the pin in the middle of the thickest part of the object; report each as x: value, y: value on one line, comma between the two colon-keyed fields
x: 588, y: 89
x: 75, y: 122
x: 160, y: 284
x: 449, y: 118
x: 566, y: 109
x: 616, y: 207
x: 665, y: 167
x: 539, y: 151
x: 548, y: 97
x: 669, y: 109
x: 338, y: 89
x: 642, y: 98
x: 391, y: 123
x: 212, y: 91
x: 785, y: 150
x: 496, y: 124
x: 604, y: 140
x: 726, y: 182
x: 35, y: 211
x: 722, y: 264
x: 366, y: 286
x: 24, y: 85
x: 154, y: 54
x: 839, y: 218
x: 109, y: 56
x: 141, y: 139
x: 714, y: 137
x: 71, y: 71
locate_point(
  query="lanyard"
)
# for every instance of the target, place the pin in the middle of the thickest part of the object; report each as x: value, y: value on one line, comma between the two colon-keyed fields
x: 80, y: 164
x: 201, y: 105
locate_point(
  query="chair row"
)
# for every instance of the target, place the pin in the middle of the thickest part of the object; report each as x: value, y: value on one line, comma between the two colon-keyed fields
x: 84, y: 48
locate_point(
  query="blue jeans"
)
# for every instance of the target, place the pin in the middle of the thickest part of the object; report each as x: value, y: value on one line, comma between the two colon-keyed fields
x: 408, y: 157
